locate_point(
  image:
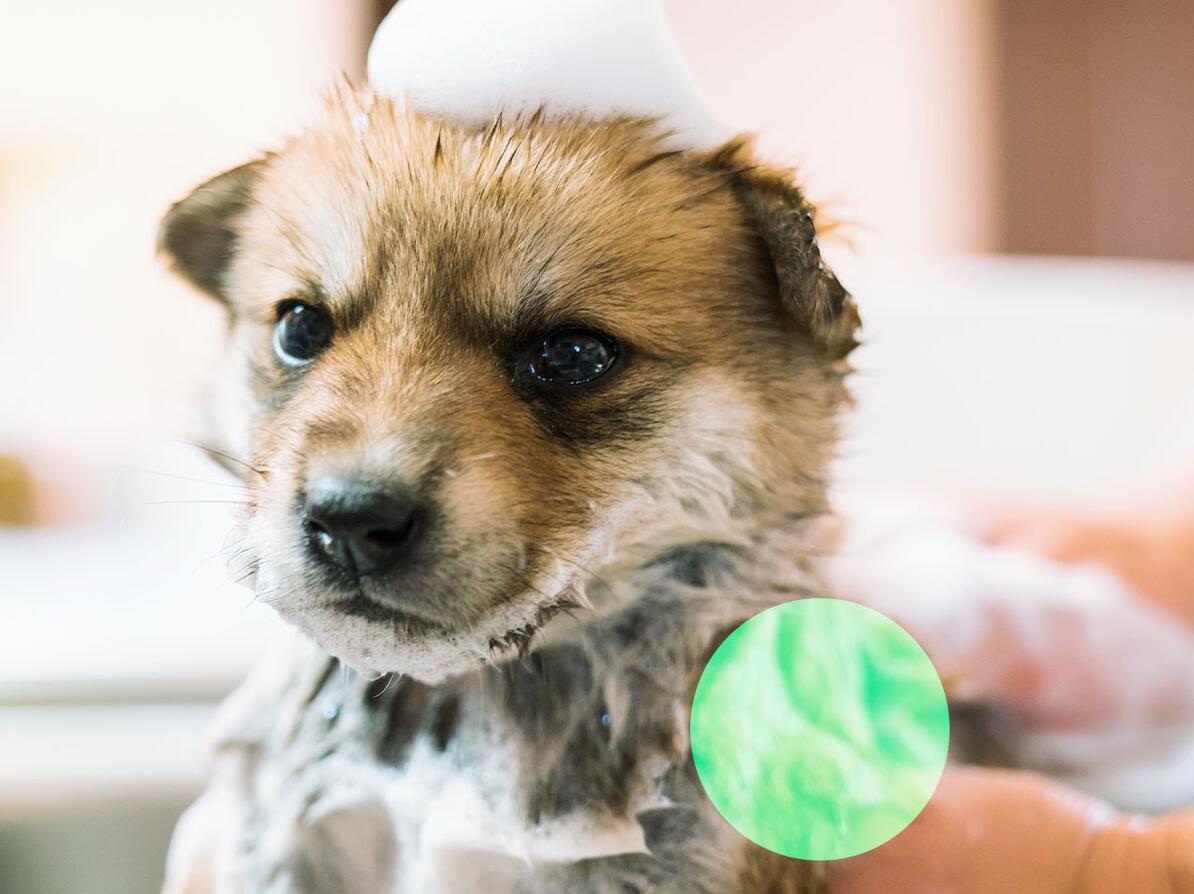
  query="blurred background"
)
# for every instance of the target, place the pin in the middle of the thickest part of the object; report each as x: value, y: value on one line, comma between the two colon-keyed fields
x: 1016, y: 178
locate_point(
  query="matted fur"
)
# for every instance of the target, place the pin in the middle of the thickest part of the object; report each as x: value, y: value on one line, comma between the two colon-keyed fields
x: 534, y: 667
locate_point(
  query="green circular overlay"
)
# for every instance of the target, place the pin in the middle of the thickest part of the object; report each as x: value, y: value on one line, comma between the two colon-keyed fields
x: 819, y: 729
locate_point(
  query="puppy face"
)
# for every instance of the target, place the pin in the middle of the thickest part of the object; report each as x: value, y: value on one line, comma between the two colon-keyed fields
x: 479, y: 365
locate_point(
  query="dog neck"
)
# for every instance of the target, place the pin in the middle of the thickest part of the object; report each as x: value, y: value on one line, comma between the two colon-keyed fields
x: 683, y: 598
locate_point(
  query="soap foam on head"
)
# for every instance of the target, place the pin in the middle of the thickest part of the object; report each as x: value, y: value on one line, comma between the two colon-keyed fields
x: 469, y: 59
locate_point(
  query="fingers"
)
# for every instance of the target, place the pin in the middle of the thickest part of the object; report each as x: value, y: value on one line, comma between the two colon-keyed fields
x: 989, y: 832
x: 984, y: 832
x: 1062, y: 649
x: 1147, y: 549
x: 1134, y: 854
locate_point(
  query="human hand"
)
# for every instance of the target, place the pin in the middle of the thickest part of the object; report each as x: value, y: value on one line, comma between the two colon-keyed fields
x: 1150, y: 546
x: 1069, y: 652
x: 998, y: 831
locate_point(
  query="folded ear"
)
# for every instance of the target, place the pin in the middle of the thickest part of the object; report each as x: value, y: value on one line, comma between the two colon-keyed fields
x: 199, y: 234
x: 783, y: 216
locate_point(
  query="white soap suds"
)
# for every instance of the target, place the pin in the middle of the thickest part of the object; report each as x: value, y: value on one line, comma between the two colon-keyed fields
x: 1098, y: 678
x: 469, y: 59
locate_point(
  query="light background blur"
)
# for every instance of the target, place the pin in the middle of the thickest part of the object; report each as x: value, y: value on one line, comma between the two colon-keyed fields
x: 938, y: 130
x: 930, y: 126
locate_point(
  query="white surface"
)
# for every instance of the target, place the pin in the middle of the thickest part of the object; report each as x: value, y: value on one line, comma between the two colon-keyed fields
x: 118, y: 641
x: 136, y: 608
x: 63, y: 757
x: 470, y: 58
x: 1052, y: 379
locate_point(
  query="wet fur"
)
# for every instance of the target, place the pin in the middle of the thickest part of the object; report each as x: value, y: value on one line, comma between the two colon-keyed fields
x: 588, y: 551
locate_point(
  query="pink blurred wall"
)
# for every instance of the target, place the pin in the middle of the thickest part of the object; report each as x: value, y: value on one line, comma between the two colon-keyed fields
x: 886, y: 107
x: 1097, y: 127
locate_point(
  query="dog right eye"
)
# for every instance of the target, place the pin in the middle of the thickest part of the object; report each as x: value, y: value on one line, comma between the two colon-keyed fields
x: 302, y: 333
x: 571, y: 357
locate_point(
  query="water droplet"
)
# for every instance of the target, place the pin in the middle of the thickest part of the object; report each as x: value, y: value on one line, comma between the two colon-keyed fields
x: 331, y: 711
x: 606, y: 720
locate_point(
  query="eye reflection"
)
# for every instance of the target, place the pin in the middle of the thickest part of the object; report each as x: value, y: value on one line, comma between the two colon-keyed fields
x: 573, y: 357
x: 302, y: 333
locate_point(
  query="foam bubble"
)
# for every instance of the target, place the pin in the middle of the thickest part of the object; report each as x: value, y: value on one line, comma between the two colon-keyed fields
x: 470, y: 58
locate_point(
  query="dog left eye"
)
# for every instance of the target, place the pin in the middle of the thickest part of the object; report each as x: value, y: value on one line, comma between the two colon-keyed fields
x: 573, y: 357
x: 302, y: 333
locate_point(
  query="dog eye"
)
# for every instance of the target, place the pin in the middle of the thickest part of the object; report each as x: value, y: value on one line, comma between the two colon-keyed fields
x: 302, y: 333
x: 573, y: 357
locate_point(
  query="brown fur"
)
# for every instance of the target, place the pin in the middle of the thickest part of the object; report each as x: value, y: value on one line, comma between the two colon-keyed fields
x: 440, y: 250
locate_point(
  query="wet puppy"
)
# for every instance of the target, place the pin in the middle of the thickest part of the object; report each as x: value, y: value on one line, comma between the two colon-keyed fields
x: 532, y: 414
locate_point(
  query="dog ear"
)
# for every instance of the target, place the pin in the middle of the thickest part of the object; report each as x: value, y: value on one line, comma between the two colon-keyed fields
x: 784, y: 218
x: 199, y: 234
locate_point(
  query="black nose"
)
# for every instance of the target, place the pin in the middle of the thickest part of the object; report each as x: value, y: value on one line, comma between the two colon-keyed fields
x: 359, y: 527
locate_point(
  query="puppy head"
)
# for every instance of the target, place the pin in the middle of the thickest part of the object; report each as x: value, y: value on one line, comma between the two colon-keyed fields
x: 480, y: 364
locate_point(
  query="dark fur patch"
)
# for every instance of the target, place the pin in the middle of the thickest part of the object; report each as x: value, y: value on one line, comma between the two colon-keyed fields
x: 695, y: 564
x: 603, y: 420
x: 404, y: 715
x: 199, y: 233
x: 445, y: 718
x: 554, y: 696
